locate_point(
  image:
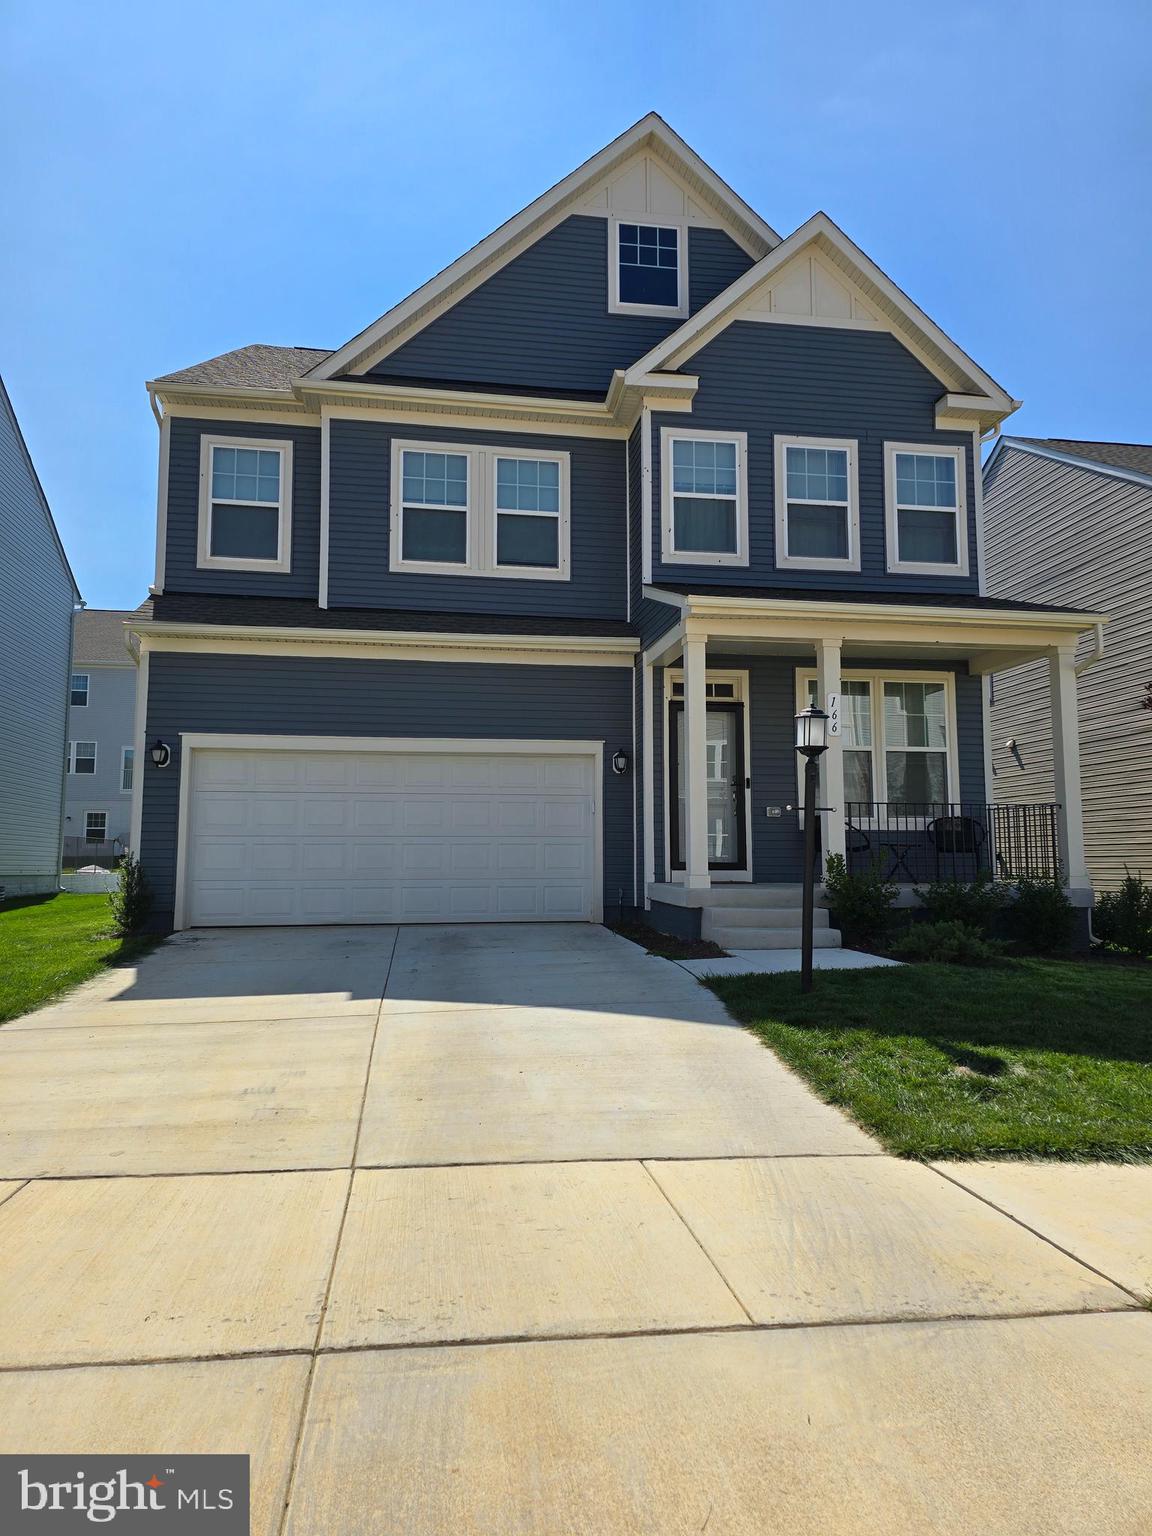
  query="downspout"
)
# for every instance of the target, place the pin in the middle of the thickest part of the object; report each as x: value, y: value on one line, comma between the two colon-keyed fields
x: 78, y: 606
x: 1090, y: 660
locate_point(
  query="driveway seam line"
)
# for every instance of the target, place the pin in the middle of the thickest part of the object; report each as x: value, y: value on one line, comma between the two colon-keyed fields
x: 22, y: 1184
x: 1051, y: 1241
x: 306, y: 1399
x: 687, y: 1225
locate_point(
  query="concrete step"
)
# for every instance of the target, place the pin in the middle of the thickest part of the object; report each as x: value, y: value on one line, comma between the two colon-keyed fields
x: 773, y: 938
x: 754, y: 896
x: 758, y: 917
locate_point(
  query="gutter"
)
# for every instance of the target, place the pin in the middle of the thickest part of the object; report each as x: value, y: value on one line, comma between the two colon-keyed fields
x: 1097, y: 651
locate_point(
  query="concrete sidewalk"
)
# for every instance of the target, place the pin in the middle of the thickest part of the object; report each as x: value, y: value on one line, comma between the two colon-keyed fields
x: 499, y: 1229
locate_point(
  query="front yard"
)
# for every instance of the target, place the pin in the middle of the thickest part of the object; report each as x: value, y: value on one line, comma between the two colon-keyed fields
x: 51, y: 943
x: 1037, y: 1058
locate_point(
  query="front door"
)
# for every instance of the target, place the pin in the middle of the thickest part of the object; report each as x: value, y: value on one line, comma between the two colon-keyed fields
x: 726, y: 785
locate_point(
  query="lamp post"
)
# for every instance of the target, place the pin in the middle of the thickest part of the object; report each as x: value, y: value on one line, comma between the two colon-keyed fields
x: 811, y: 741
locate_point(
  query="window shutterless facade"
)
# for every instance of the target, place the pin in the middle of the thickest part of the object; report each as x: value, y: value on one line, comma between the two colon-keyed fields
x: 704, y: 497
x: 245, y: 521
x: 127, y: 763
x: 81, y: 757
x: 925, y: 507
x: 464, y: 511
x: 95, y: 826
x: 647, y: 269
x: 817, y: 504
x: 78, y: 694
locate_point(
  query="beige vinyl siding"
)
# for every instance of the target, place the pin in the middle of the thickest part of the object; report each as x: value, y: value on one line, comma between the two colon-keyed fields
x: 1056, y: 533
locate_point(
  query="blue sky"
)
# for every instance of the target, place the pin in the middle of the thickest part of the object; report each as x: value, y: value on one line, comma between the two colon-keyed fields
x: 180, y: 180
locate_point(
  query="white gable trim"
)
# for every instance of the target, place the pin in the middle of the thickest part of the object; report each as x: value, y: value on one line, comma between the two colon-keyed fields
x: 650, y: 134
x: 1062, y: 456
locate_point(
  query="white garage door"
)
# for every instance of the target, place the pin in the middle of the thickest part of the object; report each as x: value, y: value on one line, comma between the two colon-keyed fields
x: 382, y: 837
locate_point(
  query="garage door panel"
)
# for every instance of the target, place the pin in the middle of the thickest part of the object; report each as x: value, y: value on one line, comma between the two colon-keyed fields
x: 316, y: 837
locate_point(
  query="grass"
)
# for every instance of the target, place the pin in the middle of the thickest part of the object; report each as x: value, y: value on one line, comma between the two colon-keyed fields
x: 1036, y: 1058
x: 668, y: 944
x: 51, y: 943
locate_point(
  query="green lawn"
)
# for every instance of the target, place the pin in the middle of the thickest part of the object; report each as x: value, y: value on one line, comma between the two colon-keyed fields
x: 50, y: 943
x: 1038, y: 1058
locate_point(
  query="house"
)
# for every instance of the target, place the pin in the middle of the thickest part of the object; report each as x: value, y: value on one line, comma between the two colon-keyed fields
x: 1068, y: 518
x: 503, y: 608
x: 101, y: 736
x: 37, y: 596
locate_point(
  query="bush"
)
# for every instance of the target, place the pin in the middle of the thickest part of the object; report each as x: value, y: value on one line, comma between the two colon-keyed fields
x: 1041, y: 918
x: 1123, y: 918
x: 974, y: 903
x: 861, y: 901
x: 951, y: 943
x: 129, y: 901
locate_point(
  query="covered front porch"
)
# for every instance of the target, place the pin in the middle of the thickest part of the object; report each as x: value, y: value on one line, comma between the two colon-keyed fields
x: 906, y: 784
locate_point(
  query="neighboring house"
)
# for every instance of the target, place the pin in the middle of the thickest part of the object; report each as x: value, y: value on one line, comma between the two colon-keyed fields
x: 37, y: 595
x: 101, y: 736
x: 1066, y: 519
x: 504, y: 608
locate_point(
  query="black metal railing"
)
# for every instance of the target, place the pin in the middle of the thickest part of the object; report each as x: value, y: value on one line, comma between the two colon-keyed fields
x: 78, y: 851
x: 953, y: 840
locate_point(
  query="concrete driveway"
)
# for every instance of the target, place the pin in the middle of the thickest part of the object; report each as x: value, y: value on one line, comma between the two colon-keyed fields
x: 509, y: 1229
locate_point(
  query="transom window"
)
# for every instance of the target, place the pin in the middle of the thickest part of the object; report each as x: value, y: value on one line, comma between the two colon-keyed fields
x: 705, y: 498
x: 479, y: 512
x: 925, y: 510
x: 817, y: 504
x: 95, y: 826
x: 127, y: 763
x: 245, y: 496
x: 78, y: 696
x: 81, y: 757
x: 647, y: 274
x: 897, y: 739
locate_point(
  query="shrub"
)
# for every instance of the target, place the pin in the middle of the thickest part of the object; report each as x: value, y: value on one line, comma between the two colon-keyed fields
x: 129, y: 901
x: 1123, y: 918
x: 974, y: 903
x: 949, y: 943
x: 862, y: 902
x: 1041, y: 918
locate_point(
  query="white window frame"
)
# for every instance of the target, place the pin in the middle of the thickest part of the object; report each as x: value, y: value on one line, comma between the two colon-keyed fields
x: 72, y: 745
x: 616, y: 305
x: 205, y: 560
x: 124, y: 754
x: 669, y: 554
x: 103, y: 838
x: 892, y: 522
x: 784, y: 559
x: 876, y: 681
x: 87, y: 676
x: 480, y: 513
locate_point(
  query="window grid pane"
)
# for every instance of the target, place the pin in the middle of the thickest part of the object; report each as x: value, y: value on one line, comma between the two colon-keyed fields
x: 817, y: 474
x: 435, y: 479
x: 246, y: 474
x: 926, y: 480
x: 649, y: 259
x: 78, y: 693
x: 528, y: 485
x: 702, y: 468
x: 95, y: 826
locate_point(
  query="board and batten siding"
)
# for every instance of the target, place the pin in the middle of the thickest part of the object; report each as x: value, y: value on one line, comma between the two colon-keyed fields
x: 181, y: 573
x: 322, y: 696
x: 37, y: 594
x: 813, y: 381
x: 360, y: 459
x: 542, y: 321
x: 1081, y: 538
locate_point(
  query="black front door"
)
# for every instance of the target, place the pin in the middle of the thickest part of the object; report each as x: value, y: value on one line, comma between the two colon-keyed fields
x: 727, y: 832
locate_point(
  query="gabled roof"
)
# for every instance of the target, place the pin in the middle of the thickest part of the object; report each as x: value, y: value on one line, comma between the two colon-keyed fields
x: 651, y: 133
x: 1124, y: 461
x: 10, y: 411
x: 253, y: 367
x: 99, y: 636
x: 955, y: 369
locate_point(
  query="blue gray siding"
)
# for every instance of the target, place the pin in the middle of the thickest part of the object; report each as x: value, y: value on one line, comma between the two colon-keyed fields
x: 359, y: 481
x: 813, y: 381
x: 36, y: 601
x: 650, y: 618
x: 309, y: 696
x: 180, y: 572
x: 542, y: 321
x: 108, y: 719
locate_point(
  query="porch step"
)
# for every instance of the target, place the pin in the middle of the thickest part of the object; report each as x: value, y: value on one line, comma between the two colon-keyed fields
x: 772, y: 938
x: 757, y: 917
x: 754, y: 896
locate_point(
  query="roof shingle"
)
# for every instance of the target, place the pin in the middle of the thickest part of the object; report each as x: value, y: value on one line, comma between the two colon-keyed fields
x: 1134, y: 456
x: 98, y: 637
x: 254, y: 367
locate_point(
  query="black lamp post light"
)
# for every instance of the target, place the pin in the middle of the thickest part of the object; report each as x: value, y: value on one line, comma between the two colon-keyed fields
x: 811, y: 742
x: 160, y: 753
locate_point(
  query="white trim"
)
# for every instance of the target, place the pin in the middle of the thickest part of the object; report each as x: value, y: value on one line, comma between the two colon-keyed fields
x: 895, y: 564
x: 669, y: 554
x: 72, y: 676
x: 742, y: 696
x: 205, y: 560
x: 162, y: 472
x: 194, y: 741
x: 137, y: 811
x: 563, y: 651
x: 124, y: 751
x: 646, y: 492
x: 784, y: 559
x: 987, y: 688
x: 325, y: 508
x: 978, y: 513
x: 649, y: 788
x: 84, y: 741
x: 481, y: 513
x: 619, y: 306
x: 1062, y: 456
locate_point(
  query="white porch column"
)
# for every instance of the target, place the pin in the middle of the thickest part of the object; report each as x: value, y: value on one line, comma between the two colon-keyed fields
x: 834, y: 834
x: 695, y: 764
x: 1066, y: 763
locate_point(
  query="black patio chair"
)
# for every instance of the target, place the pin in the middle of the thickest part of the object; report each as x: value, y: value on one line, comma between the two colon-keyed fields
x: 957, y: 837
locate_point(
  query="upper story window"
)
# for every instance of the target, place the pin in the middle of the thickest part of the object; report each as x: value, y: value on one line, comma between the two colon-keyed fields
x: 648, y: 269
x: 817, y: 504
x: 245, y: 504
x: 471, y: 511
x: 78, y: 697
x: 81, y: 757
x: 925, y: 505
x: 704, y: 495
x: 127, y: 762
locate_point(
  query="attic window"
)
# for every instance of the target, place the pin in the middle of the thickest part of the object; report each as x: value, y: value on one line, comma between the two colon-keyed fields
x: 648, y: 274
